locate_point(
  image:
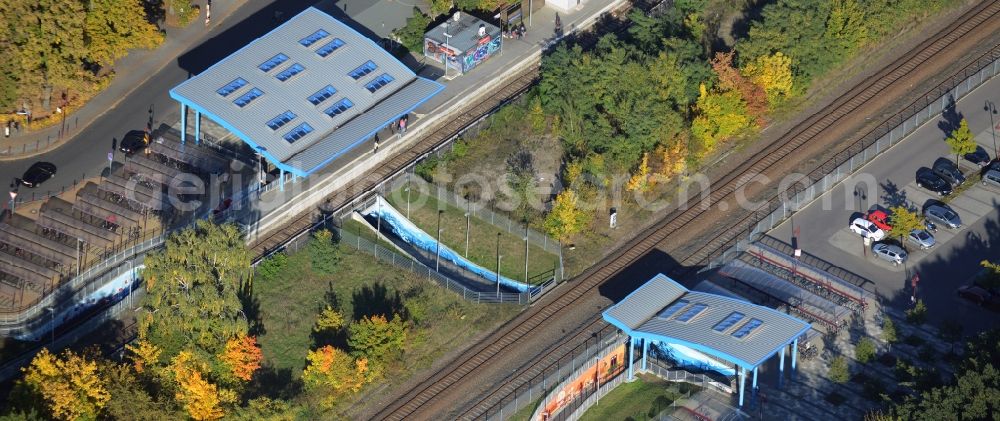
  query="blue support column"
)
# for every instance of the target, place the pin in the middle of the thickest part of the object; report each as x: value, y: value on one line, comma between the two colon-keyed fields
x: 197, y: 127
x: 645, y: 350
x: 795, y: 351
x: 183, y: 123
x: 281, y: 180
x: 742, y: 378
x: 631, y: 353
x: 781, y: 366
x: 753, y: 391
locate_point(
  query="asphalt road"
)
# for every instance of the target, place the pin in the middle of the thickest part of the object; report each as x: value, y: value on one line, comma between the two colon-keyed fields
x: 85, y: 155
x: 954, y: 260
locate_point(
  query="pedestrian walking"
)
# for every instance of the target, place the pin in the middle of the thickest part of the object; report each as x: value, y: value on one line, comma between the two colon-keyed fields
x: 521, y: 29
x: 392, y: 127
x: 376, y: 145
x: 6, y: 131
x: 402, y: 125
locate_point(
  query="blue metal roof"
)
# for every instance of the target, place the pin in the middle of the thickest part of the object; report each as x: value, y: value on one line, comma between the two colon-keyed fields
x: 734, y: 330
x: 302, y: 69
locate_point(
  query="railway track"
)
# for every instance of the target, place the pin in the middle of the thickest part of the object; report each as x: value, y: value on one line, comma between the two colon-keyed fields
x: 508, y: 337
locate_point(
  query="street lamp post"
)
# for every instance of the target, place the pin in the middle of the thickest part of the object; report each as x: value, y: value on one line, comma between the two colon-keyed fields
x: 378, y: 225
x: 52, y: 312
x: 78, y: 241
x: 131, y: 280
x: 498, y: 264
x: 525, y: 253
x: 991, y: 108
x: 859, y: 194
x: 407, y: 200
x: 437, y: 247
x: 447, y: 47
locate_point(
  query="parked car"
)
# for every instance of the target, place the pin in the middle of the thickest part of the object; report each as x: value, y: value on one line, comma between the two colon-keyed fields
x: 921, y: 238
x: 867, y: 229
x: 928, y: 179
x: 980, y: 296
x: 980, y: 158
x: 941, y: 215
x: 134, y: 141
x: 991, y: 178
x: 949, y: 172
x: 890, y: 253
x: 37, y: 174
x: 880, y: 219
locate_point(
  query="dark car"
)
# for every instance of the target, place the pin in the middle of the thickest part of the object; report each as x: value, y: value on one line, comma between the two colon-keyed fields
x: 38, y: 173
x: 949, y: 172
x: 928, y: 179
x: 134, y: 141
x: 980, y: 296
x: 980, y: 158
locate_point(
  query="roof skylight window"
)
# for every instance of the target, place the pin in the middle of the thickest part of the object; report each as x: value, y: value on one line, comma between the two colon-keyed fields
x: 379, y: 82
x: 281, y: 120
x: 747, y: 328
x: 691, y: 312
x: 298, y: 132
x: 289, y: 72
x: 232, y: 87
x: 673, y: 308
x: 248, y: 97
x: 728, y: 322
x: 338, y: 108
x: 275, y: 61
x: 311, y: 39
x: 322, y: 95
x: 330, y: 47
x: 363, y: 70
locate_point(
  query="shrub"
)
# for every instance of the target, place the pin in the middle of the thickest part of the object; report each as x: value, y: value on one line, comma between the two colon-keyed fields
x: 323, y: 252
x: 864, y: 351
x: 272, y: 267
x: 918, y: 314
x: 838, y: 371
x: 889, y: 331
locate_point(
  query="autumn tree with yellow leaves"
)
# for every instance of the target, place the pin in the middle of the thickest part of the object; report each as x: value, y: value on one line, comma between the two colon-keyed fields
x: 566, y: 217
x: 773, y: 73
x: 200, y: 398
x: 143, y: 355
x: 332, y: 374
x: 718, y: 117
x: 242, y: 356
x: 69, y: 385
x: 640, y: 181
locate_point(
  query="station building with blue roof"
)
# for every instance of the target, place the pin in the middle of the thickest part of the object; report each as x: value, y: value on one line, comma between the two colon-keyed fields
x: 736, y: 331
x: 305, y: 93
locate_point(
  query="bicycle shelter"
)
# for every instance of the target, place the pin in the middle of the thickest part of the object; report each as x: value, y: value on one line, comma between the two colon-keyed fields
x: 733, y: 330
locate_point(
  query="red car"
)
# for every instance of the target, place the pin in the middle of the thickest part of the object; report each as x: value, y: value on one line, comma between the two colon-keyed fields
x: 880, y: 219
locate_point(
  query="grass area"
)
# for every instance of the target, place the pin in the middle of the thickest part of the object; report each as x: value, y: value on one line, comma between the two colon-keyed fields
x: 482, y: 237
x: 363, y: 231
x: 642, y: 399
x: 288, y: 304
x: 524, y: 414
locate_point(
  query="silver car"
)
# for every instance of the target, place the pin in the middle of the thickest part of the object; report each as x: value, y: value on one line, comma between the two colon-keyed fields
x: 890, y: 253
x: 941, y: 215
x: 991, y: 178
x: 921, y: 238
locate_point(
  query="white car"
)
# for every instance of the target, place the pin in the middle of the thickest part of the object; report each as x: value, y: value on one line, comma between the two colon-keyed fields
x: 867, y: 229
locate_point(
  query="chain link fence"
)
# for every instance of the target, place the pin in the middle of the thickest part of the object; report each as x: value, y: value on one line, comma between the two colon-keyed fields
x: 842, y: 165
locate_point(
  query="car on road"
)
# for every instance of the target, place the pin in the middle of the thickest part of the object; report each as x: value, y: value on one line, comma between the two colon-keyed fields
x: 38, y: 173
x: 867, y: 229
x: 890, y: 253
x: 980, y: 296
x: 991, y: 178
x: 880, y: 219
x: 921, y: 238
x: 134, y: 141
x: 941, y: 215
x: 928, y: 179
x: 979, y: 158
x: 947, y: 170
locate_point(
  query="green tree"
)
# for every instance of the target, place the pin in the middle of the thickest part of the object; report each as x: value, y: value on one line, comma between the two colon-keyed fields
x: 566, y: 218
x: 864, y: 351
x: 377, y: 338
x: 192, y: 290
x: 718, y: 116
x: 323, y: 252
x: 903, y: 220
x: 961, y: 140
x: 411, y: 35
x: 918, y: 314
x: 113, y: 27
x: 48, y: 38
x: 838, y: 371
x: 272, y: 267
x: 333, y: 374
x: 990, y: 277
x: 889, y: 334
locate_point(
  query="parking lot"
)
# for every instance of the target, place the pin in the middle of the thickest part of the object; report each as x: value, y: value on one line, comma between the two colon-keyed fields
x: 888, y: 181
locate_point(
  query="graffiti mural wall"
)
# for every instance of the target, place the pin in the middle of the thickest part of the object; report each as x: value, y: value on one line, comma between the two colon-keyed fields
x: 487, y: 46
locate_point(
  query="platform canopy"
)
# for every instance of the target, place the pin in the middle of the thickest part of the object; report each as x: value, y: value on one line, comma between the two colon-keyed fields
x: 730, y: 329
x: 307, y: 92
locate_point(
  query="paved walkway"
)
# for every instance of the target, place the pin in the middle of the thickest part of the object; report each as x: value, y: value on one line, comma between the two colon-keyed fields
x: 130, y: 72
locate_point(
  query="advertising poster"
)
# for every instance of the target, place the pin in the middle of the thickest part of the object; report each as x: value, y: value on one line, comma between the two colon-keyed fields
x: 605, y: 369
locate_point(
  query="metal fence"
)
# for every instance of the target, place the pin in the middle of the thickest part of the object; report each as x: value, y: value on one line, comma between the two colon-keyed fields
x: 839, y: 167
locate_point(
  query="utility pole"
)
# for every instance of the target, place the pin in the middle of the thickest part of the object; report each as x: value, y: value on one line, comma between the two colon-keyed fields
x: 991, y: 108
x: 498, y: 264
x: 525, y: 252
x: 437, y: 247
